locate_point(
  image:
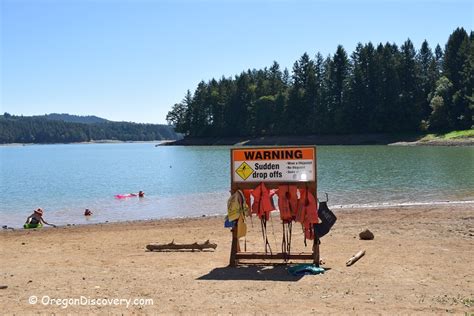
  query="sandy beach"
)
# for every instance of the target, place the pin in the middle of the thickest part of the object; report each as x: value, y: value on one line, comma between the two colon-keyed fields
x: 420, y: 262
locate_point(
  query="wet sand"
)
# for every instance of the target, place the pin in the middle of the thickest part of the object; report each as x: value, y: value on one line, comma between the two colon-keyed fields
x: 420, y: 262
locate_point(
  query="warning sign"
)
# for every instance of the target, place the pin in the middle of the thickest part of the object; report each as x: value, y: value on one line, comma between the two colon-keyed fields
x: 244, y: 171
x: 279, y: 164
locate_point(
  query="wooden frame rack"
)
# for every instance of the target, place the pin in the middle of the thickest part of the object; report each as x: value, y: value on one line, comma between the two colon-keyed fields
x: 236, y: 255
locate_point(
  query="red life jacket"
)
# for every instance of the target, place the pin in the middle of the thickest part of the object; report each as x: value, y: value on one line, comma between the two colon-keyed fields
x: 284, y: 203
x: 287, y: 202
x: 262, y: 205
x: 307, y: 212
x: 247, y: 193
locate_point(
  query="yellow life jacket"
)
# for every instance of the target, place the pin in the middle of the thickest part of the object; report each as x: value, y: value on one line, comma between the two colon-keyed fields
x: 236, y: 205
x: 237, y: 209
x: 241, y: 227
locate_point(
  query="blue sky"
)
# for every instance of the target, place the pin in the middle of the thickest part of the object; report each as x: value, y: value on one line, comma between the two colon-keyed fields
x: 132, y: 60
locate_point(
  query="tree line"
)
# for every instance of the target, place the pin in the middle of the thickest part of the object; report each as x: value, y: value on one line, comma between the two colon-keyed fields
x: 23, y: 129
x: 383, y: 88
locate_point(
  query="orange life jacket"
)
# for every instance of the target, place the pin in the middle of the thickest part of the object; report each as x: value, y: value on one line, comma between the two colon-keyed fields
x: 307, y: 212
x: 284, y: 203
x: 293, y: 198
x: 262, y: 205
x: 247, y: 193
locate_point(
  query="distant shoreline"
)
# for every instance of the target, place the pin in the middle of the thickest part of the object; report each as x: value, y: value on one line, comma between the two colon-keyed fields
x: 329, y: 140
x: 362, y: 139
x: 105, y: 141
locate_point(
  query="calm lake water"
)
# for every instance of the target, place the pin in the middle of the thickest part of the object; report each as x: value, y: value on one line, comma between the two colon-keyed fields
x: 192, y: 181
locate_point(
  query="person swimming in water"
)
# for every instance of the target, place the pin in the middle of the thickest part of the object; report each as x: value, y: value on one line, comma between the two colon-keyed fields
x: 87, y: 212
x: 36, y: 220
x: 141, y: 194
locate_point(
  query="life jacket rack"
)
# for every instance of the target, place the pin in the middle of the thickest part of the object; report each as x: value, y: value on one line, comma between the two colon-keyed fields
x: 236, y: 253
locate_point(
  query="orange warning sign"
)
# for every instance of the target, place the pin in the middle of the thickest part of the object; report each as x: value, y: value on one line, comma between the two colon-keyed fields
x: 276, y: 164
x: 273, y: 154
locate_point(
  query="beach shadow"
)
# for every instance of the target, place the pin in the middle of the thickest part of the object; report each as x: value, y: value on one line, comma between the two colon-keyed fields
x: 251, y: 273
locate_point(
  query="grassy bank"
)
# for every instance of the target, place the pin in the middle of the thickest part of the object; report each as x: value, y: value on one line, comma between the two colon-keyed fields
x: 466, y: 134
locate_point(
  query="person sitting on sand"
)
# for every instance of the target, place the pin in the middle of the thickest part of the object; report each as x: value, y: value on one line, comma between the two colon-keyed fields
x: 36, y: 220
x: 141, y: 194
x: 87, y: 212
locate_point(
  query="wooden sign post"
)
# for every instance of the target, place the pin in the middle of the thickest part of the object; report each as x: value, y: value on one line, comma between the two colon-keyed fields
x: 273, y: 166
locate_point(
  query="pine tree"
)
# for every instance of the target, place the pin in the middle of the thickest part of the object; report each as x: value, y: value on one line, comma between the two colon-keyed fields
x: 427, y: 76
x: 410, y: 113
x: 178, y: 117
x: 301, y: 95
x: 338, y: 91
x: 318, y: 116
x: 455, y: 60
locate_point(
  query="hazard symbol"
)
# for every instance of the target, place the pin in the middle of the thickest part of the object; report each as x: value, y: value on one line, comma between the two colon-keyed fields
x: 244, y: 171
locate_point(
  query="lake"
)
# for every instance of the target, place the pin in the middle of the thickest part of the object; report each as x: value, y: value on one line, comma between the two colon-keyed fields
x: 192, y: 181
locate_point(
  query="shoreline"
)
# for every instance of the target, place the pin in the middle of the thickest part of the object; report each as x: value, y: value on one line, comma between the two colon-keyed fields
x: 407, y: 268
x: 329, y: 140
x: 105, y: 141
x: 324, y: 140
x: 343, y: 207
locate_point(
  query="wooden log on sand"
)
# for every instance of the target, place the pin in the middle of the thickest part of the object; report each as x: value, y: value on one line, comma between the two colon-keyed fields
x: 355, y: 257
x: 173, y: 246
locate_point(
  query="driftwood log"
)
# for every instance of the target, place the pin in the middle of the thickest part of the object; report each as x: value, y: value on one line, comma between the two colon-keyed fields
x: 173, y: 246
x: 355, y: 257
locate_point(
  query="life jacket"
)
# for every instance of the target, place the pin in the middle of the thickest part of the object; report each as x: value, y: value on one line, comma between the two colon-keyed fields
x: 293, y: 199
x: 284, y: 203
x: 307, y: 212
x: 327, y: 220
x: 262, y: 204
x: 285, y: 200
x: 236, y: 206
x: 247, y: 193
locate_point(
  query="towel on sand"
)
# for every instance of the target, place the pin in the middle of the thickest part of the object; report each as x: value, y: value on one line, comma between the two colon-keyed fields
x: 304, y: 269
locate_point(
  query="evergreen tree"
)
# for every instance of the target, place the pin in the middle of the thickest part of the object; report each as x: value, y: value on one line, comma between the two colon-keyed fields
x: 409, y: 112
x: 302, y: 96
x: 439, y: 59
x: 383, y: 89
x: 386, y: 111
x: 199, y: 112
x: 361, y: 87
x: 427, y: 76
x: 318, y: 114
x: 456, y: 57
x: 240, y: 104
x: 276, y: 83
x: 178, y: 116
x: 338, y: 91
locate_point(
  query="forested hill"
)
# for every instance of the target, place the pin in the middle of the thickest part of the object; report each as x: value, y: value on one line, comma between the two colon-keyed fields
x: 44, y: 129
x: 89, y: 119
x: 377, y: 88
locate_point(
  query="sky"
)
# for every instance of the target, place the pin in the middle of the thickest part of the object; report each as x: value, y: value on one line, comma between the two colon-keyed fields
x: 132, y: 60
